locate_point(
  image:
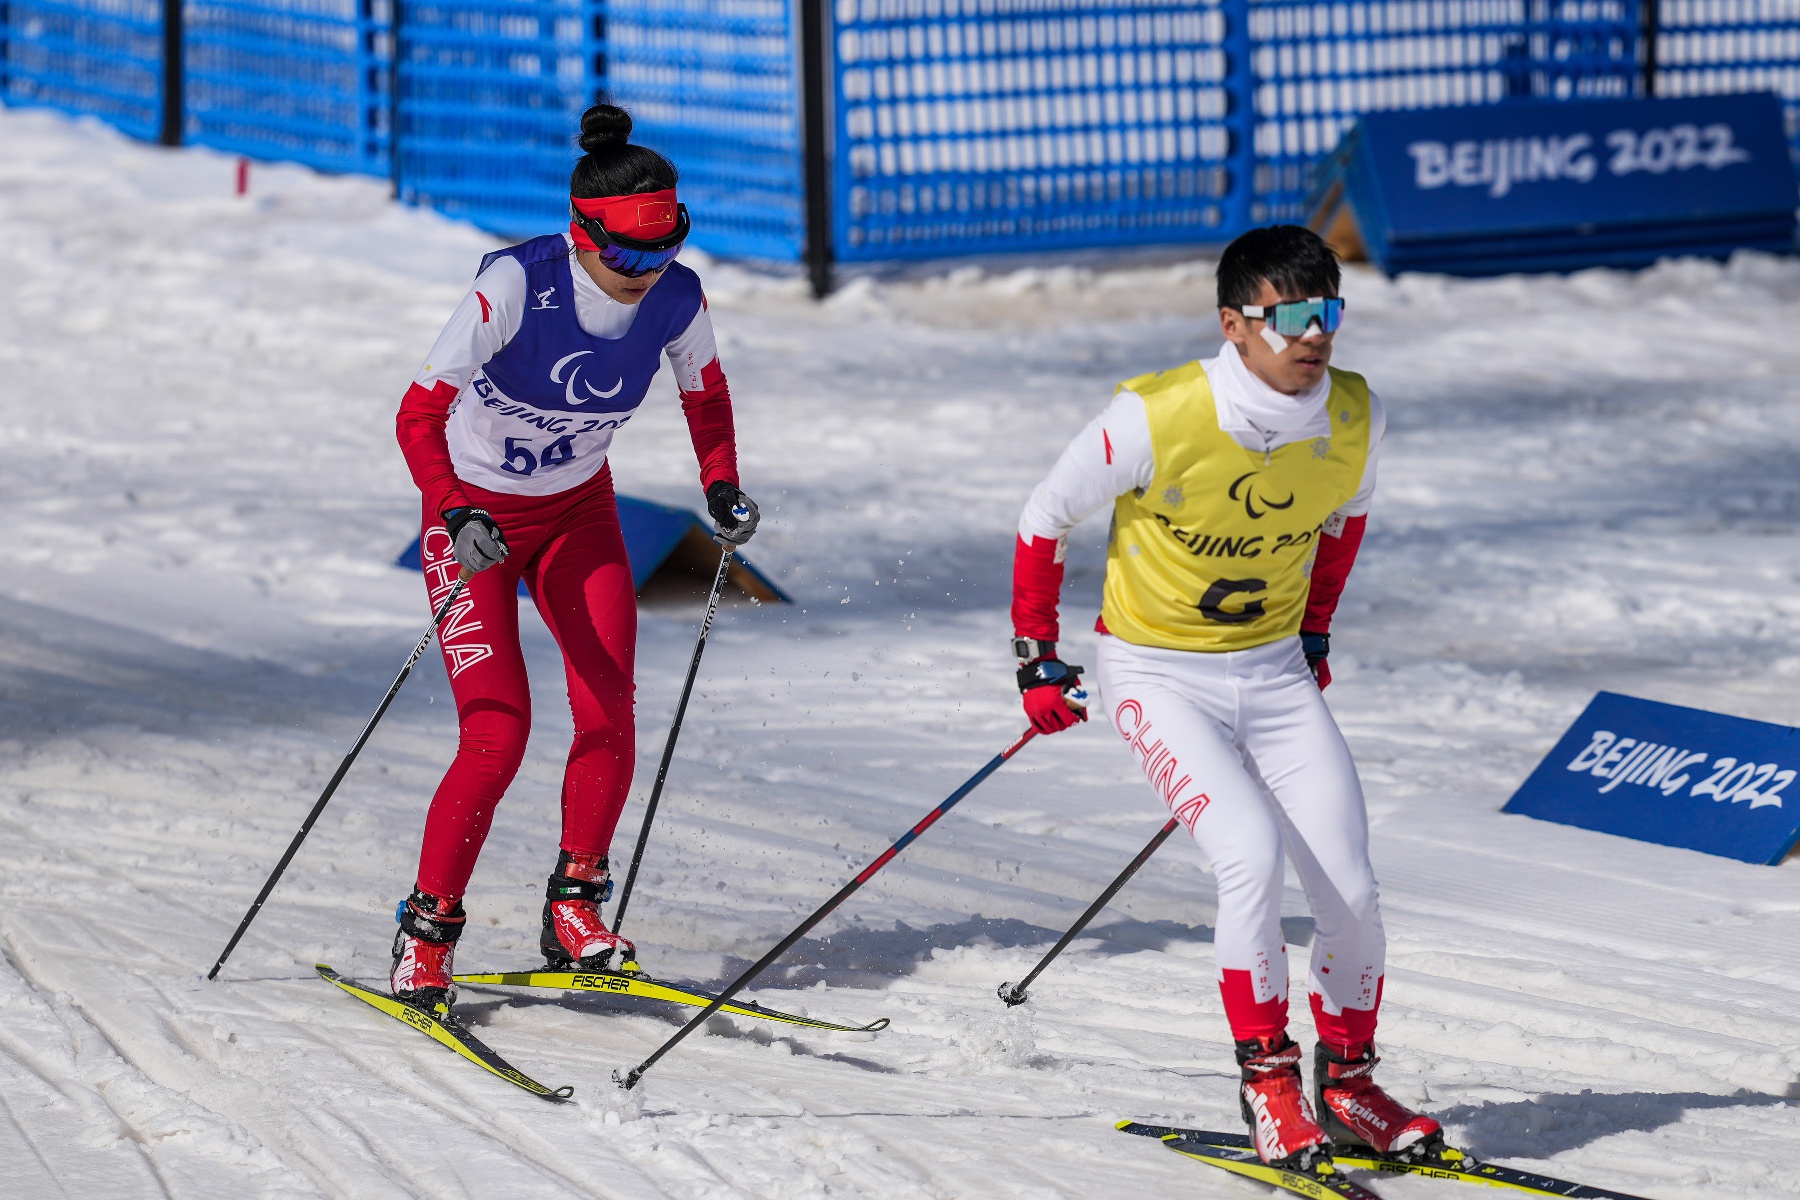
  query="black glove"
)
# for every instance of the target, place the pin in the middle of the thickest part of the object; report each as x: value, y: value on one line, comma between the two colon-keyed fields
x: 479, y: 542
x: 1316, y: 646
x: 734, y: 514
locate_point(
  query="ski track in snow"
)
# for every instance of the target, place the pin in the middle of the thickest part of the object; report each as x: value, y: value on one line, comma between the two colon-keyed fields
x: 1588, y: 484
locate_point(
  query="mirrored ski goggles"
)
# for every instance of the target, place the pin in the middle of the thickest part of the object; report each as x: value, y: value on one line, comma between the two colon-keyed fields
x: 1291, y: 318
x: 631, y: 256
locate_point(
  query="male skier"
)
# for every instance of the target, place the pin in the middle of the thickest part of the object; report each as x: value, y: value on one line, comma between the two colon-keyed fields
x: 1240, y: 488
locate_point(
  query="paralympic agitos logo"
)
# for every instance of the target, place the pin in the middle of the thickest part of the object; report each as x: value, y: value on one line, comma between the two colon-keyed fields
x: 1245, y: 483
x: 575, y: 377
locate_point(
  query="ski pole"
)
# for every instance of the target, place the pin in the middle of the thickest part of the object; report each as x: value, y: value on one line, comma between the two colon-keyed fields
x: 630, y: 1080
x: 437, y: 619
x: 662, y: 770
x: 1014, y: 993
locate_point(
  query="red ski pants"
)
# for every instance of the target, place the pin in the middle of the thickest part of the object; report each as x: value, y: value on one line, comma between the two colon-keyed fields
x: 569, y: 552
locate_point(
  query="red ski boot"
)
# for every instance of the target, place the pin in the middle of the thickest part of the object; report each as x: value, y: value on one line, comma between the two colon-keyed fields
x: 574, y: 936
x: 1358, y: 1112
x: 429, y: 927
x: 1273, y: 1097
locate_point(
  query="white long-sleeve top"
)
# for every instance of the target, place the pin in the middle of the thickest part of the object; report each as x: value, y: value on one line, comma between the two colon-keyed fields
x: 1112, y: 455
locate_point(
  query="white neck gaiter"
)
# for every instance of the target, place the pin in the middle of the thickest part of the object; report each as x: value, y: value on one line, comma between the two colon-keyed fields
x: 1248, y: 405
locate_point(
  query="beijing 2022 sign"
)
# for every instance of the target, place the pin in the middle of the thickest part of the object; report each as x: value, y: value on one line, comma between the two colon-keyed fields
x: 1497, y: 165
x: 1548, y: 185
x: 1677, y: 776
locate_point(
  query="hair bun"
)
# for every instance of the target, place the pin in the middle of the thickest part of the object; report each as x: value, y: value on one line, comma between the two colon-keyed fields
x: 604, y: 125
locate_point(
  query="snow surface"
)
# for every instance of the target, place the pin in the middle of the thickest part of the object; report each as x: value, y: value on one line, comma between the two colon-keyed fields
x: 1589, y: 483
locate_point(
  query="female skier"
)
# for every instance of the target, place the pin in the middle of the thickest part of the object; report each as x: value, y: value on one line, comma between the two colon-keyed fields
x: 506, y: 430
x: 1240, y: 488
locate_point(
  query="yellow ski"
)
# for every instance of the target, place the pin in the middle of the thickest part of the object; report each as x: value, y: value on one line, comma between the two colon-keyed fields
x: 628, y: 983
x: 1325, y: 1184
x: 1449, y: 1163
x: 448, y: 1031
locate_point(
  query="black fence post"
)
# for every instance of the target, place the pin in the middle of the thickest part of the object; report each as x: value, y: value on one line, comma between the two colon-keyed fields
x: 396, y: 16
x: 1242, y: 187
x: 1650, y: 21
x: 170, y: 132
x: 815, y: 75
x: 372, y: 80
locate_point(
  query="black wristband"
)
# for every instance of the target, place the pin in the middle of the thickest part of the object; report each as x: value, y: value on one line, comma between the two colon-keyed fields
x: 1047, y: 672
x: 462, y: 514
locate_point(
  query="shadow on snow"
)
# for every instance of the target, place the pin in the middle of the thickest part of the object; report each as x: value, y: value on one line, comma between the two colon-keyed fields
x: 1550, y: 1124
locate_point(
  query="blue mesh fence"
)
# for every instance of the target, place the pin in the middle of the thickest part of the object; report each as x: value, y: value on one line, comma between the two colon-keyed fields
x: 961, y: 126
x: 1705, y: 47
x: 713, y: 85
x: 102, y: 57
x: 305, y: 80
x: 1318, y: 66
x: 491, y: 94
x: 982, y: 125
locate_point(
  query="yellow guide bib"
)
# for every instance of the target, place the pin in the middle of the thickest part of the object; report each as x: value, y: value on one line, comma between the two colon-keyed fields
x: 1217, y: 553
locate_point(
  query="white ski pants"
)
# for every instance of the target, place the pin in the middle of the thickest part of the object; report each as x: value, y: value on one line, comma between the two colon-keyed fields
x: 1243, y: 750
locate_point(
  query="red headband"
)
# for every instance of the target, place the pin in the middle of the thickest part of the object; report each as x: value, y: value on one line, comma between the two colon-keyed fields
x: 643, y: 215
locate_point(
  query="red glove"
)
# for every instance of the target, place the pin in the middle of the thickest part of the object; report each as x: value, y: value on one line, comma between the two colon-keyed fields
x: 1054, y: 697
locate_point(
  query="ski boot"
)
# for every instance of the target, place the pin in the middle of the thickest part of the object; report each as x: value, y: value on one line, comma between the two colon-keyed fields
x: 423, y: 946
x: 1357, y: 1112
x: 1273, y: 1098
x: 574, y: 936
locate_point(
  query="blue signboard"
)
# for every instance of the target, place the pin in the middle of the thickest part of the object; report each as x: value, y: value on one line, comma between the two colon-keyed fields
x: 1546, y: 185
x: 1677, y: 776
